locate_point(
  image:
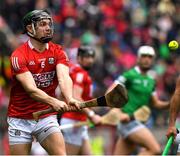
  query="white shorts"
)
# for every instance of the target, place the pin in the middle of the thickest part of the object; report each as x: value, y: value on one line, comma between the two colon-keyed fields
x: 22, y: 131
x: 75, y: 135
x: 125, y: 129
x: 177, y: 141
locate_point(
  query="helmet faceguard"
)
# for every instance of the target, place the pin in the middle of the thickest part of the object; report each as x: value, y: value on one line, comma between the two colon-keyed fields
x: 85, y: 51
x: 32, y: 18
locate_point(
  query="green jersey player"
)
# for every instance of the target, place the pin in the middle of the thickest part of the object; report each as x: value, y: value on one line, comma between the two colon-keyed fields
x: 141, y: 91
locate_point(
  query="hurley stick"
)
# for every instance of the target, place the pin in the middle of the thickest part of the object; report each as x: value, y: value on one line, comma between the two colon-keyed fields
x: 117, y: 98
x: 168, y: 146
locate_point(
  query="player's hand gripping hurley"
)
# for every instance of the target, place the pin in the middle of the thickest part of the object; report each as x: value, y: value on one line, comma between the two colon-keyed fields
x: 168, y: 146
x: 117, y: 98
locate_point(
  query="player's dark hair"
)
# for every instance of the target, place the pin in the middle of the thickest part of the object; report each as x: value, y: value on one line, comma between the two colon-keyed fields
x: 85, y: 51
x: 32, y: 18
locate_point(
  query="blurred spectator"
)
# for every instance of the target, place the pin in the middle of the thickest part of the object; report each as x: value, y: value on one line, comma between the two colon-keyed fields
x: 166, y: 6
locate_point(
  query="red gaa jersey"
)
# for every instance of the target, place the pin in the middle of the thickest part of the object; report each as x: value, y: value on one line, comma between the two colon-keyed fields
x: 81, y: 78
x: 43, y: 68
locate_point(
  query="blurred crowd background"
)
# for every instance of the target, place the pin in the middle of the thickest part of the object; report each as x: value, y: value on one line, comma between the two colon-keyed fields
x: 115, y: 28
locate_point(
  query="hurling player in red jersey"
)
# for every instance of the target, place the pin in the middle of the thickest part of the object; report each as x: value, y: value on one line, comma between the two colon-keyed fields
x: 38, y: 67
x: 77, y: 139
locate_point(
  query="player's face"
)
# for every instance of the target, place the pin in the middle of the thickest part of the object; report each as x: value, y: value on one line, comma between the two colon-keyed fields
x: 145, y: 61
x: 87, y: 62
x: 44, y: 28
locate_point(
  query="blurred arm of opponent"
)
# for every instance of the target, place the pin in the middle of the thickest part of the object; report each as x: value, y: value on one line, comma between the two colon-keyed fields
x: 77, y: 93
x: 159, y: 104
x: 174, y: 110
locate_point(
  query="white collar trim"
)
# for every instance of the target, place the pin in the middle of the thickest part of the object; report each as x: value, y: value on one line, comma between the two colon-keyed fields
x: 32, y: 47
x: 137, y: 69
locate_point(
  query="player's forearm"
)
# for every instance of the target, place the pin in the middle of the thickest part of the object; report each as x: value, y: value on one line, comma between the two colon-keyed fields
x: 66, y: 86
x: 159, y: 104
x: 41, y: 96
x: 65, y: 81
x: 174, y: 108
x: 163, y: 105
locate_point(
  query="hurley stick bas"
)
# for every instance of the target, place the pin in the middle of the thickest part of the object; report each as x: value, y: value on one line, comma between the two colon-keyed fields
x: 142, y: 114
x: 112, y: 117
x: 117, y: 98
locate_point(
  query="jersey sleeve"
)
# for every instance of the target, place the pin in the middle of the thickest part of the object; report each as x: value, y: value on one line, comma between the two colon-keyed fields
x: 154, y: 92
x: 122, y: 79
x: 83, y: 80
x: 88, y: 87
x: 61, y: 56
x: 18, y: 63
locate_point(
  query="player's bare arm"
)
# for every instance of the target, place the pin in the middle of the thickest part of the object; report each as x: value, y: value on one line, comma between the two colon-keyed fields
x: 64, y: 81
x: 159, y: 104
x: 174, y: 110
x: 124, y: 117
x: 92, y: 116
x: 37, y: 94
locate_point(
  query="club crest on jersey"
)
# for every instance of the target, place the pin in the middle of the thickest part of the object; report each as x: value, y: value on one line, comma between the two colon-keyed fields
x: 51, y: 60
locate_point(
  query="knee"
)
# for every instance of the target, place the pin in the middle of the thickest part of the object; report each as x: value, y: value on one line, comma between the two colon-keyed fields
x: 156, y: 150
x: 57, y: 151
